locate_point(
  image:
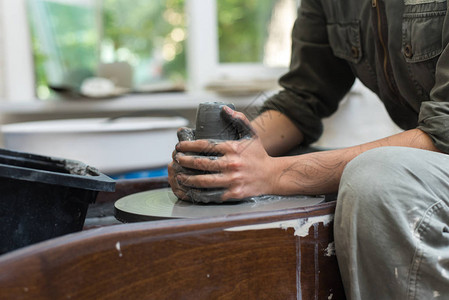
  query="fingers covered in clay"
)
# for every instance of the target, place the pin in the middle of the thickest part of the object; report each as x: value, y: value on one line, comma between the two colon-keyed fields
x: 196, y: 194
x: 198, y: 162
x: 174, y: 168
x: 179, y: 190
x: 184, y: 187
x: 205, y: 147
x: 206, y: 195
x: 217, y: 180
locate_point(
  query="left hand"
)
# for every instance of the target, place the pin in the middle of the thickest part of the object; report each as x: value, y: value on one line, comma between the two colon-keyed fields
x: 244, y: 169
x: 184, y: 134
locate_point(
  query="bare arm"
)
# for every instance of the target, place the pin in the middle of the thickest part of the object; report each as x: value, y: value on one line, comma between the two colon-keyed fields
x: 320, y: 172
x: 246, y: 169
x: 277, y: 133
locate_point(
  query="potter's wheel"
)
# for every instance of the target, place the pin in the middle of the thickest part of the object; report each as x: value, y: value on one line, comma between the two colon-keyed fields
x: 163, y: 204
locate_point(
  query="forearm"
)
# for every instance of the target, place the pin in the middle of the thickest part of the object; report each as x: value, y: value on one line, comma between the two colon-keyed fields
x: 277, y: 133
x: 320, y: 172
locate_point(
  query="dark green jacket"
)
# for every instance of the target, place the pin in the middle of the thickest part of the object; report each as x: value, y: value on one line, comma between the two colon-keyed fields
x: 397, y: 48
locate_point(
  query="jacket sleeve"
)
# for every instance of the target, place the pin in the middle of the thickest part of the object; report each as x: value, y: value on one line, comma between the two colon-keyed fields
x: 317, y: 80
x: 434, y: 114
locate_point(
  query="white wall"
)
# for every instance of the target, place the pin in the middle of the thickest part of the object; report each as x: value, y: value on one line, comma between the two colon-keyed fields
x: 2, y: 59
x: 361, y: 117
x: 16, y: 63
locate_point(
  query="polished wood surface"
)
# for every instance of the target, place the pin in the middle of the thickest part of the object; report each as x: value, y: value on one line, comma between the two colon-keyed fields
x: 213, y: 258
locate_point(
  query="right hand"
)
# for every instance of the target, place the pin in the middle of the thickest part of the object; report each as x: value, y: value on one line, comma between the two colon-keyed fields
x: 226, y: 175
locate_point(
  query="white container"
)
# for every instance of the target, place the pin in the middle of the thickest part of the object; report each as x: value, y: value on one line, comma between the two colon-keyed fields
x: 112, y: 146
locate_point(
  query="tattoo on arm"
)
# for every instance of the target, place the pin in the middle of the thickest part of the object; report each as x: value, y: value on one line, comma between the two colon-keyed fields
x: 314, y: 172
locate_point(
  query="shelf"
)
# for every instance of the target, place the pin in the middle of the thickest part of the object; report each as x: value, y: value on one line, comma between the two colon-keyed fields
x: 131, y: 102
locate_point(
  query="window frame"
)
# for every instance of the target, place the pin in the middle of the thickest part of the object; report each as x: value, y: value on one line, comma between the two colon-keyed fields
x: 16, y: 59
x: 203, y: 64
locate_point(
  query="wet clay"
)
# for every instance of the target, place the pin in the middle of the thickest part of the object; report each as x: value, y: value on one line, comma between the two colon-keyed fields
x: 210, y: 123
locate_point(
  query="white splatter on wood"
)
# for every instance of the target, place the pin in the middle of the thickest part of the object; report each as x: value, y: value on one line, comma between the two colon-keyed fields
x: 330, y: 250
x: 330, y: 296
x: 119, y: 250
x: 301, y: 226
x: 436, y: 294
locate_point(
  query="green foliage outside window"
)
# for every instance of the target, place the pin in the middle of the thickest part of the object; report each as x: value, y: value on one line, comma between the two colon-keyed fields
x: 242, y: 29
x: 148, y: 34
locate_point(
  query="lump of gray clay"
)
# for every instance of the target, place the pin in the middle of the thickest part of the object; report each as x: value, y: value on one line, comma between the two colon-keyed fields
x: 211, y: 125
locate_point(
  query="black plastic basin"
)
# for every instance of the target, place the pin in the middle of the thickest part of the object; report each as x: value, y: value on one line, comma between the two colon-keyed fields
x: 44, y: 197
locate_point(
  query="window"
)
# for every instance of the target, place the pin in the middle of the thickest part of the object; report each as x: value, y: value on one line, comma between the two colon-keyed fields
x: 176, y: 41
x: 235, y: 39
x: 72, y: 39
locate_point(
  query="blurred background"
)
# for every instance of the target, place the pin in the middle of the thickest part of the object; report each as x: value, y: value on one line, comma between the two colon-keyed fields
x: 72, y: 40
x: 85, y: 59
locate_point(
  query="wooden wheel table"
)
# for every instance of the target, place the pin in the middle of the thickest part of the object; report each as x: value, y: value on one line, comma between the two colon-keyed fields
x: 276, y: 254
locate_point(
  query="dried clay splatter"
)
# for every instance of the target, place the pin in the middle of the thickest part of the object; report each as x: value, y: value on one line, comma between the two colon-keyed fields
x: 330, y: 250
x: 117, y: 246
x: 301, y: 226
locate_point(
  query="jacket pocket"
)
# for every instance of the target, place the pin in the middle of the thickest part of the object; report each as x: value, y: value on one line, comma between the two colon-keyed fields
x: 344, y: 39
x: 422, y: 27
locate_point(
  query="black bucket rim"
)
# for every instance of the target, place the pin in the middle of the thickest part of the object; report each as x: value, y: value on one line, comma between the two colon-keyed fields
x: 91, y: 180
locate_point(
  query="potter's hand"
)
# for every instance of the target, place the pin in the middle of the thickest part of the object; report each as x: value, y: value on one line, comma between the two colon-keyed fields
x: 240, y: 169
x: 184, y: 134
x: 174, y: 169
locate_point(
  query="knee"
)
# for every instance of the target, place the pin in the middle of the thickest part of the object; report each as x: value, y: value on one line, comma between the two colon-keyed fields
x: 365, y: 188
x: 370, y: 181
x: 375, y: 170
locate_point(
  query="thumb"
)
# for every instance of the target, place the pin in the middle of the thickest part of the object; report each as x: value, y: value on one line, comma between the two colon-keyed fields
x: 186, y: 134
x: 239, y: 121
